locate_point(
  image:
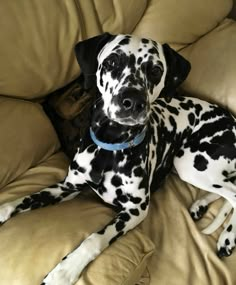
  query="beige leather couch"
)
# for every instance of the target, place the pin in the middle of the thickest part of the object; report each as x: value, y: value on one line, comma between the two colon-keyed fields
x: 36, y: 56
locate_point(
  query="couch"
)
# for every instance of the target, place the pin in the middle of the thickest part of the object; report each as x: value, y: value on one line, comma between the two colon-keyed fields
x: 37, y: 58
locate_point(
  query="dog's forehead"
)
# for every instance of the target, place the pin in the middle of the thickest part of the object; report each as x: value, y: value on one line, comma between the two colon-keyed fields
x: 130, y: 45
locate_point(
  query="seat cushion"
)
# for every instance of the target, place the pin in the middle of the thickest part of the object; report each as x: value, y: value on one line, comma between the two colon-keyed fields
x: 32, y: 243
x: 183, y: 254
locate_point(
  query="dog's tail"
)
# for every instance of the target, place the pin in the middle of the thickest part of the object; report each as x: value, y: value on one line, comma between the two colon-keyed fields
x: 219, y: 219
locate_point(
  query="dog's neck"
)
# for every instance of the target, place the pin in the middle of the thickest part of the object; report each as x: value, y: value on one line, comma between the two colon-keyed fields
x: 109, y: 131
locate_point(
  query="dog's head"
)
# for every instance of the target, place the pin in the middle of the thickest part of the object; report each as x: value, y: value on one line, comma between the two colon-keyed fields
x: 130, y: 73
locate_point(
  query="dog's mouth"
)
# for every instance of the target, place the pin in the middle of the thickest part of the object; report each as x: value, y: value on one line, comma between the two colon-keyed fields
x: 130, y: 107
x: 129, y: 119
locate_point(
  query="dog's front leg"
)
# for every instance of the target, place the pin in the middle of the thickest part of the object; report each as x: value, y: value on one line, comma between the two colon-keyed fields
x: 69, y: 269
x: 60, y: 192
x: 48, y: 196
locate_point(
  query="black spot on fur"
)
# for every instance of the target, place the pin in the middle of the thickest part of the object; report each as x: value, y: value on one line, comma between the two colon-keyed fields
x: 227, y: 242
x: 135, y: 200
x: 134, y: 212
x: 116, y: 237
x: 70, y: 185
x: 217, y: 186
x: 124, y: 216
x: 229, y: 229
x: 200, y: 162
x: 180, y: 153
x: 140, y: 59
x: 145, y: 41
x: 74, y: 165
x: 101, y: 190
x: 116, y: 181
x: 125, y: 41
x: 138, y: 171
x: 191, y: 119
x: 153, y: 51
x: 145, y: 204
x: 123, y: 199
x: 173, y: 110
x: 81, y: 169
x: 120, y: 226
x: 106, y: 86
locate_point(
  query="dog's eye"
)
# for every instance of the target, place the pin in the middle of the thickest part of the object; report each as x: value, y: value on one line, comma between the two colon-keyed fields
x: 111, y: 62
x: 155, y: 71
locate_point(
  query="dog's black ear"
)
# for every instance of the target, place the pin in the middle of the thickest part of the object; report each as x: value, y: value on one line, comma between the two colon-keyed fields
x: 86, y: 53
x: 178, y: 69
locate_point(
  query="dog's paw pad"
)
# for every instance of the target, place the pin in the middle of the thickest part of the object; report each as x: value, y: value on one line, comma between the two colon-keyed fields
x: 198, y: 209
x: 226, y: 243
x: 222, y: 252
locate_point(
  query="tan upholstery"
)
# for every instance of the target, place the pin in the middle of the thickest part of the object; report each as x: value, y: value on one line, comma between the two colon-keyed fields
x: 181, y: 22
x: 36, y: 55
x: 183, y: 254
x: 213, y: 73
x: 21, y: 152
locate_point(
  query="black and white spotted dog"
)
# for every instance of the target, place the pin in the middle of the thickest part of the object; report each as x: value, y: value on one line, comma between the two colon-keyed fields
x: 134, y: 140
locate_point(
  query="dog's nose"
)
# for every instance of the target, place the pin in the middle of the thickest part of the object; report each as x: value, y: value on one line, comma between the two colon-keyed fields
x: 133, y: 100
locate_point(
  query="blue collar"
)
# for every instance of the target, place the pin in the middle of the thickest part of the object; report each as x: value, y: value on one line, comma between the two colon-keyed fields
x: 118, y: 146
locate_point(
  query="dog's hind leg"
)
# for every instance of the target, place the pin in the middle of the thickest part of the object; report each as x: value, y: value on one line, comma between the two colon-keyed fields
x: 200, y: 206
x: 227, y: 240
x: 219, y: 219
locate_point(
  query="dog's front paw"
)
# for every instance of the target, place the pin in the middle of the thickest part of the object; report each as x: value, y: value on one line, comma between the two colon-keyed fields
x: 226, y: 242
x: 6, y: 211
x: 198, y: 209
x: 62, y: 274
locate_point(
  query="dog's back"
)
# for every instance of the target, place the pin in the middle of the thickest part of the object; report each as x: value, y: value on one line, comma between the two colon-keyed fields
x: 197, y: 136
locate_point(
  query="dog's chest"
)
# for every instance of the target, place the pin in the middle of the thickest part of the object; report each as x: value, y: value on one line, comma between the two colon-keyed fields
x: 114, y: 175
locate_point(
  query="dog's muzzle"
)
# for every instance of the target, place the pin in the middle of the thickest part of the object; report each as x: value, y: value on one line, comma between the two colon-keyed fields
x: 132, y: 106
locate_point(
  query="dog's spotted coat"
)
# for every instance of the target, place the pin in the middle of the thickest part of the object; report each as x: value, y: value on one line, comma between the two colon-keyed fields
x: 197, y: 137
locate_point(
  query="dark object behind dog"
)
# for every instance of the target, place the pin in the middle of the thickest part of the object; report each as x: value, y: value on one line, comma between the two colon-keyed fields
x: 69, y: 110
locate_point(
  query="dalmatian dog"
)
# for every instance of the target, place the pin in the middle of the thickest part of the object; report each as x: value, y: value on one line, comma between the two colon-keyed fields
x: 139, y: 130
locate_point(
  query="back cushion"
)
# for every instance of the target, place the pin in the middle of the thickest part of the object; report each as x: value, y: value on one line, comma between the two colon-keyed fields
x: 38, y: 37
x: 27, y: 138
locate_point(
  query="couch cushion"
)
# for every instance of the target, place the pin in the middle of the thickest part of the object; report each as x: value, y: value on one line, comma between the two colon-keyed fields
x: 183, y: 254
x: 37, y: 56
x: 38, y: 37
x: 32, y: 243
x: 181, y: 22
x: 27, y: 138
x: 213, y: 60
